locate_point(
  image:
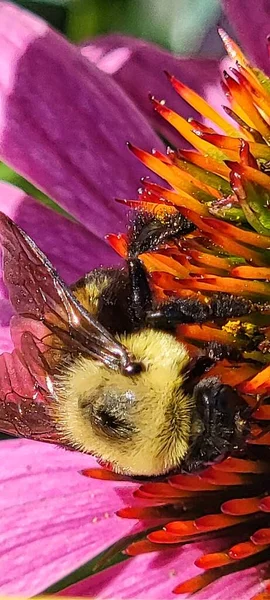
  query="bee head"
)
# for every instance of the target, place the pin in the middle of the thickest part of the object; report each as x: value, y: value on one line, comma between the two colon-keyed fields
x: 140, y: 424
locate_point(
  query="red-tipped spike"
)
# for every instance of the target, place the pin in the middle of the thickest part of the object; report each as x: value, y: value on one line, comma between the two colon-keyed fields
x: 218, y: 521
x: 261, y: 537
x: 191, y: 482
x: 103, y: 474
x: 265, y: 504
x: 242, y: 506
x: 222, y: 478
x: 142, y: 547
x: 196, y: 583
x: 241, y: 465
x: 163, y: 537
x: 240, y: 551
x: 182, y: 528
x: 118, y: 243
x: 213, y: 561
x: 246, y: 158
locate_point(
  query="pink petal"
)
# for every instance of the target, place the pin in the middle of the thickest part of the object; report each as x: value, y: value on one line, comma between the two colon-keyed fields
x: 64, y: 124
x: 72, y: 248
x: 252, y: 28
x: 52, y: 519
x: 154, y: 576
x: 138, y: 67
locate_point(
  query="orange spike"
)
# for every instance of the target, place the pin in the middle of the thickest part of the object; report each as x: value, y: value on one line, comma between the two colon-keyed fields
x: 229, y: 285
x: 160, y: 262
x: 196, y: 583
x: 262, y: 596
x: 186, y: 130
x: 241, y: 506
x: 245, y: 549
x: 205, y: 162
x: 203, y: 333
x: 263, y: 412
x: 232, y: 146
x: 201, y: 106
x: 181, y: 198
x: 210, y: 260
x: 172, y: 174
x: 163, y: 537
x: 218, y: 521
x: 103, y: 474
x: 118, y: 243
x: 251, y: 174
x: 182, y: 528
x: 223, y: 478
x: 265, y: 504
x: 244, y: 100
x: 163, y: 157
x: 261, y: 440
x: 247, y: 272
x: 233, y: 49
x: 261, y: 537
x: 142, y: 513
x: 242, y: 465
x: 141, y: 547
x: 261, y: 380
x: 248, y: 237
x: 211, y: 226
x: 213, y: 561
x: 246, y: 157
x: 191, y: 483
x: 162, y: 490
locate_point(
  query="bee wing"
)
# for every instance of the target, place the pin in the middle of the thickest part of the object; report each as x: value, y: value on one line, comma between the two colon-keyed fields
x: 24, y: 410
x: 49, y: 324
x: 37, y: 292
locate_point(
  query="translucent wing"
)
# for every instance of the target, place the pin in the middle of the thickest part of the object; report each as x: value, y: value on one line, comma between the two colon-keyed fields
x: 50, y: 323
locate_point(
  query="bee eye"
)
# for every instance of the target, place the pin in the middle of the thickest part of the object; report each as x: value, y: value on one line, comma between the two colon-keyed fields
x: 111, y: 424
x: 107, y: 420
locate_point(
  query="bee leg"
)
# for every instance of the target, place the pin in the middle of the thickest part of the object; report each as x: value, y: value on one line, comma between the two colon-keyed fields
x: 141, y: 297
x: 216, y: 430
x: 192, y: 310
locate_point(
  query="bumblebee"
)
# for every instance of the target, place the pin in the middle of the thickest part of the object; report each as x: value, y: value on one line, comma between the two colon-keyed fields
x: 98, y: 367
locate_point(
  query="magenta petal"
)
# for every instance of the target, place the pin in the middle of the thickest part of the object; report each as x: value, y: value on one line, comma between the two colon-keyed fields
x: 52, y: 519
x: 138, y: 67
x: 154, y: 576
x: 71, y: 248
x: 252, y: 28
x: 64, y: 123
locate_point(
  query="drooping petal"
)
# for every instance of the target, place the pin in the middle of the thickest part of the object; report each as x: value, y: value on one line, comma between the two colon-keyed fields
x: 51, y: 518
x: 156, y: 575
x: 64, y: 123
x: 137, y: 66
x: 252, y: 28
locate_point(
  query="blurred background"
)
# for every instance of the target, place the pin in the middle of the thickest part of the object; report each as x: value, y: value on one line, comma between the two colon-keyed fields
x: 182, y: 26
